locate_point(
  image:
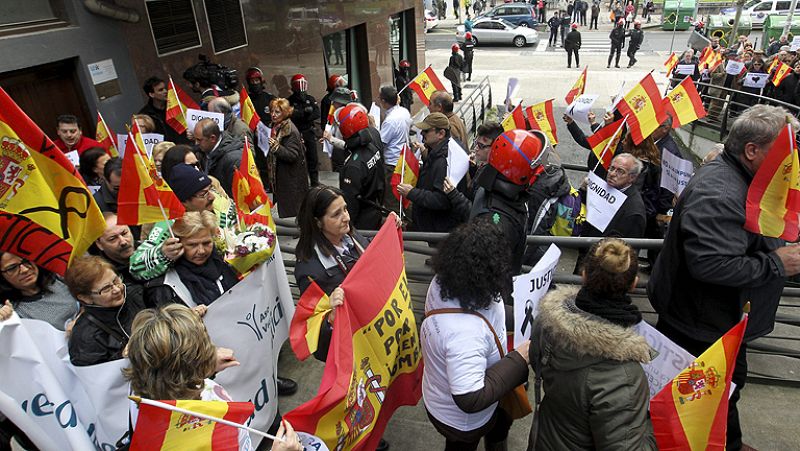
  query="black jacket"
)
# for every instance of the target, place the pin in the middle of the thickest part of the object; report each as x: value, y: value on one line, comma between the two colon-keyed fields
x: 261, y: 100
x: 591, y: 159
x: 554, y: 23
x: 787, y: 90
x: 160, y: 119
x: 573, y: 40
x: 710, y: 266
x: 637, y: 37
x: 91, y: 344
x: 106, y: 200
x: 431, y: 206
x: 617, y: 37
x: 306, y: 110
x: 224, y: 160
x: 362, y: 179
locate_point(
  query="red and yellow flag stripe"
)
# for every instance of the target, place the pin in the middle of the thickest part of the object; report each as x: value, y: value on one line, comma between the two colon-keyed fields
x: 425, y: 84
x: 540, y: 117
x: 644, y: 109
x: 604, y: 142
x: 106, y: 137
x: 405, y: 171
x: 311, y: 310
x: 684, y: 103
x: 670, y: 63
x: 248, y: 111
x: 578, y: 88
x: 177, y: 103
x: 515, y: 120
x: 782, y: 70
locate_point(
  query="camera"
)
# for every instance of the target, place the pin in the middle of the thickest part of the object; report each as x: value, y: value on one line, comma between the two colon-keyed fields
x: 207, y: 74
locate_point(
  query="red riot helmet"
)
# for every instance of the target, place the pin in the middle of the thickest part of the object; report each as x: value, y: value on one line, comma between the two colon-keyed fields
x: 335, y: 81
x: 252, y: 73
x: 299, y: 83
x: 468, y: 35
x: 405, y: 63
x: 455, y: 47
x: 519, y: 155
x: 352, y: 118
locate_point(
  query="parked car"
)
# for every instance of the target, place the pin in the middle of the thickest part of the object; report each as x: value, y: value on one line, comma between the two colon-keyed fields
x: 431, y: 21
x: 499, y: 31
x: 758, y: 10
x: 522, y: 14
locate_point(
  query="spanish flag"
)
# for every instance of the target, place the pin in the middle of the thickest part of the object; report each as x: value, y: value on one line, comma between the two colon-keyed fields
x: 311, y: 310
x: 143, y: 195
x: 541, y: 117
x: 671, y: 62
x: 773, y: 199
x: 248, y: 111
x: 374, y: 362
x: 405, y: 171
x: 605, y: 141
x: 49, y: 216
x: 691, y: 413
x: 578, y: 88
x: 684, y: 103
x: 515, y: 120
x: 773, y: 64
x: 251, y: 193
x: 160, y: 429
x: 106, y: 137
x: 782, y: 70
x: 425, y: 83
x: 177, y: 103
x: 644, y: 107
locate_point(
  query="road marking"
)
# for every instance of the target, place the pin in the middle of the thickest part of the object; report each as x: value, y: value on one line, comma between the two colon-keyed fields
x: 542, y: 45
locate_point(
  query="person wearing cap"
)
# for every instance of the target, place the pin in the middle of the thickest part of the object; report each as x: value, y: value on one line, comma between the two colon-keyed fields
x: 402, y: 77
x: 431, y: 208
x: 617, y: 37
x: 453, y: 71
x: 469, y: 46
x: 340, y: 97
x: 306, y: 111
x: 572, y: 44
x: 637, y: 37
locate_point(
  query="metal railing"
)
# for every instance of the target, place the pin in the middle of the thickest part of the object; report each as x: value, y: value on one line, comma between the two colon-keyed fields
x: 472, y: 109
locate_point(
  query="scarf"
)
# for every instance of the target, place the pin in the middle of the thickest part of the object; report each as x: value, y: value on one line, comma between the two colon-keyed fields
x: 618, y: 310
x: 279, y: 132
x: 201, y: 281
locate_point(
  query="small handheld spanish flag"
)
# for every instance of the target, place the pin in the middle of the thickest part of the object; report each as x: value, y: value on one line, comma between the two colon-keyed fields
x: 604, y: 142
x: 782, y: 70
x: 106, y: 137
x: 405, y: 171
x: 541, y: 117
x: 671, y: 62
x: 578, y: 88
x: 644, y: 109
x: 311, y: 310
x: 177, y: 103
x: 515, y: 120
x: 248, y: 111
x: 425, y: 84
x: 684, y: 103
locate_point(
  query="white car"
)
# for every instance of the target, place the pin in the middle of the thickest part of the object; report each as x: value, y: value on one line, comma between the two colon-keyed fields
x: 431, y: 21
x: 499, y: 31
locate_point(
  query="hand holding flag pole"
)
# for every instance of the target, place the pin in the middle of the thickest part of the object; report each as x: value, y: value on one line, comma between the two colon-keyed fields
x: 402, y: 178
x: 412, y: 81
x: 613, y: 141
x: 132, y: 136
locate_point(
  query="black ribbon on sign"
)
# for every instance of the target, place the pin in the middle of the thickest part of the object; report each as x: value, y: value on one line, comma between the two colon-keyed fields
x: 528, y: 316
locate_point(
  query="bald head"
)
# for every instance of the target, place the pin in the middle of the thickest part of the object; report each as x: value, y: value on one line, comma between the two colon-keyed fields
x: 206, y: 134
x: 219, y: 105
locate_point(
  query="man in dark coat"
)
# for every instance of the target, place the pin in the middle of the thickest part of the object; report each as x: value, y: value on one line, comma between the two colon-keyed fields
x: 617, y: 37
x: 710, y: 266
x: 402, y: 77
x: 469, y: 53
x: 223, y: 152
x: 595, y: 14
x: 554, y: 23
x: 572, y: 44
x: 453, y: 71
x: 306, y: 112
x: 637, y: 37
x: 156, y: 108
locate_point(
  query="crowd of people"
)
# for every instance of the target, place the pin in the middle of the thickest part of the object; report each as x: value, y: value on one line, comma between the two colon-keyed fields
x: 143, y: 290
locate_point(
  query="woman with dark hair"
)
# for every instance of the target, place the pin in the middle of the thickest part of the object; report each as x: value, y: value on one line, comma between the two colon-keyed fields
x: 177, y: 155
x: 463, y: 339
x: 286, y: 161
x: 34, y: 292
x: 326, y: 251
x: 588, y: 355
x: 91, y: 164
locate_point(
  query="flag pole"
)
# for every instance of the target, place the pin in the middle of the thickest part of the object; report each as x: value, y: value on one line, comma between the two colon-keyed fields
x: 603, y: 153
x: 402, y: 179
x: 412, y: 80
x: 160, y: 206
x: 162, y: 405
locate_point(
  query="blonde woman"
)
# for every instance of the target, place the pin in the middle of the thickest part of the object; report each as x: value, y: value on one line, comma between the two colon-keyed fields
x: 159, y: 150
x: 286, y: 162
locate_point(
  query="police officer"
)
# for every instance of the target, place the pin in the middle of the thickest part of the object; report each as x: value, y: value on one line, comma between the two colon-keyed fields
x: 637, y: 37
x: 334, y: 81
x: 453, y: 71
x: 617, y: 37
x: 469, y: 46
x: 361, y: 179
x: 402, y: 77
x: 306, y: 111
x: 258, y: 95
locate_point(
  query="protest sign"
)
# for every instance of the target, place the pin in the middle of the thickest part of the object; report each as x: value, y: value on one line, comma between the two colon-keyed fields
x: 262, y: 135
x: 579, y: 109
x: 602, y: 202
x: 457, y: 161
x: 755, y: 80
x: 734, y: 67
x: 675, y: 172
x: 670, y: 361
x: 529, y: 289
x: 685, y: 69
x: 73, y: 157
x: 194, y: 116
x: 150, y: 140
x: 375, y: 114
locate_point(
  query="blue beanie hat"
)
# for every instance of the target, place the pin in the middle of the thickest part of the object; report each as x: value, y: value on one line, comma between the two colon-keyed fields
x: 186, y: 181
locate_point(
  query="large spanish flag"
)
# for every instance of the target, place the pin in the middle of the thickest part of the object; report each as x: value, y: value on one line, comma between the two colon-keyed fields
x: 311, y: 310
x: 405, y: 171
x: 248, y: 110
x: 644, y: 109
x: 773, y: 199
x: 166, y: 430
x: 670, y: 63
x: 684, y: 103
x: 515, y: 120
x: 691, y: 413
x: 143, y: 195
x: 177, y: 103
x: 604, y: 142
x: 251, y: 194
x: 105, y: 137
x: 49, y: 216
x: 374, y: 363
x: 425, y: 83
x: 782, y: 70
x: 578, y: 88
x: 541, y: 117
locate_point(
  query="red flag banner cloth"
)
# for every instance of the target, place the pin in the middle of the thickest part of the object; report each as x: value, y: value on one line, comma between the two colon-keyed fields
x: 773, y: 199
x: 425, y: 83
x: 604, y: 142
x: 691, y: 412
x: 374, y: 363
x: 578, y: 88
x: 644, y: 108
x: 311, y: 310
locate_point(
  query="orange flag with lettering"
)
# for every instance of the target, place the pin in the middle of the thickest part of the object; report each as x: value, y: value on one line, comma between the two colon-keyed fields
x: 541, y: 117
x: 644, y: 109
x: 773, y: 198
x: 684, y: 103
x: 578, y: 88
x: 425, y: 83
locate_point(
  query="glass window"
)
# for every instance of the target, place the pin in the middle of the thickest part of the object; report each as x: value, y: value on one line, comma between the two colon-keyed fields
x: 12, y: 13
x: 173, y: 25
x: 783, y: 6
x: 763, y: 7
x: 395, y: 39
x: 503, y: 11
x: 335, y: 45
x: 483, y: 25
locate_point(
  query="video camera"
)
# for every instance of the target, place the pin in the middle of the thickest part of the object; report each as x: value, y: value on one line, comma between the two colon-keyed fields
x: 207, y: 74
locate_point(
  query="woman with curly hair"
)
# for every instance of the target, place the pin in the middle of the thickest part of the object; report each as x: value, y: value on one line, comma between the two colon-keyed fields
x: 463, y: 337
x: 91, y: 164
x: 286, y: 161
x: 588, y: 355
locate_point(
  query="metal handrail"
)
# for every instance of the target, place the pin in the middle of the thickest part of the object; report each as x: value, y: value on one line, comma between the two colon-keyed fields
x: 472, y: 108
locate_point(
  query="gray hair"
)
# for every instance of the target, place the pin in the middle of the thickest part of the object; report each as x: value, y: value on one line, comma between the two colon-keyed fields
x: 638, y: 166
x: 219, y: 105
x: 209, y: 128
x: 759, y: 125
x: 444, y: 100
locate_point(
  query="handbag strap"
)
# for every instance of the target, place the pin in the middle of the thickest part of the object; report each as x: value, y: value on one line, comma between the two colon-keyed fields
x: 469, y: 312
x: 104, y: 327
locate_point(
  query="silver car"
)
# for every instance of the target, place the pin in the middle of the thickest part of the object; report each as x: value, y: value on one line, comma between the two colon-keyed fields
x: 499, y: 31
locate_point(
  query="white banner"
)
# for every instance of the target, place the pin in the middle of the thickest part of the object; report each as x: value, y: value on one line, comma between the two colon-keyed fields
x: 375, y: 114
x: 684, y: 69
x: 671, y: 358
x: 262, y: 134
x: 755, y: 80
x: 734, y: 67
x: 675, y: 172
x: 579, y: 109
x: 150, y: 140
x: 528, y: 291
x: 457, y: 161
x: 602, y: 202
x: 73, y: 157
x: 194, y: 116
x: 253, y: 319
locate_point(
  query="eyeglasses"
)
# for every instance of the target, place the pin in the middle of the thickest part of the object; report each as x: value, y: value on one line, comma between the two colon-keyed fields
x: 479, y: 146
x: 13, y: 270
x: 203, y: 194
x: 618, y: 170
x: 106, y: 290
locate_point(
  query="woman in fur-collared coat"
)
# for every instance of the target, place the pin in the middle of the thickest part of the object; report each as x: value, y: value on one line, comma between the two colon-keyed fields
x: 588, y: 356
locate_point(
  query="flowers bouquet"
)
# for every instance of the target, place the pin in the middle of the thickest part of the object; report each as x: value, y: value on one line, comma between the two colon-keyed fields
x: 247, y: 249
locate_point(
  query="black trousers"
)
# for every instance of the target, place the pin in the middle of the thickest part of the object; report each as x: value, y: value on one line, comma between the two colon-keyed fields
x: 553, y: 37
x: 593, y: 22
x: 495, y: 431
x: 695, y: 347
x: 310, y: 142
x: 632, y: 55
x: 569, y: 58
x: 615, y: 48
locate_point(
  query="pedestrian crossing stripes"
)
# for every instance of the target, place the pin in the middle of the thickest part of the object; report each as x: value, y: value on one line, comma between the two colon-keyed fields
x: 589, y: 46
